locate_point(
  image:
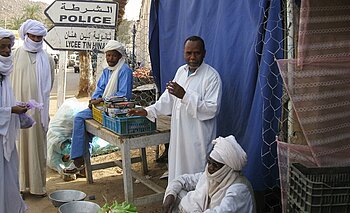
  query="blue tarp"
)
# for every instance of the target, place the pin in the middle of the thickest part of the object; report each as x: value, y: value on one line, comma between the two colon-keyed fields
x: 243, y: 52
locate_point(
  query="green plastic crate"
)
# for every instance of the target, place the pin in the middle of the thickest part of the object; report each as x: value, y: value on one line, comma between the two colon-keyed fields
x: 319, y: 189
x: 130, y: 125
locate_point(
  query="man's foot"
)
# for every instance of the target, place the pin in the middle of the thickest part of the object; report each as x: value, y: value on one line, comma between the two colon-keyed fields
x: 22, y: 195
x: 163, y: 158
x: 73, y: 169
x: 40, y: 195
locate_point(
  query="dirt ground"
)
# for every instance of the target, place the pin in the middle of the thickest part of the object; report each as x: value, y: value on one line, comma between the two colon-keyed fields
x: 107, y: 186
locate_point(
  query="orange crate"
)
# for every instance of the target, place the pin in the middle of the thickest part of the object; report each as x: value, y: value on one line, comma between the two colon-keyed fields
x: 96, y: 113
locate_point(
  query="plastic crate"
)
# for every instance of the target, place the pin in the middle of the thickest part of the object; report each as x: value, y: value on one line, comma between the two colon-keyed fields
x: 319, y: 189
x: 128, y: 125
x: 97, y: 114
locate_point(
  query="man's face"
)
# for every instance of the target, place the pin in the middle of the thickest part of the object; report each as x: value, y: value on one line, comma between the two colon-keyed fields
x: 5, y: 47
x: 213, y: 165
x: 112, y: 57
x: 194, y: 54
x: 35, y: 38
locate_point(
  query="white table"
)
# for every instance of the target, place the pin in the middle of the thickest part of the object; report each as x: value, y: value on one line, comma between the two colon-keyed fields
x: 126, y: 144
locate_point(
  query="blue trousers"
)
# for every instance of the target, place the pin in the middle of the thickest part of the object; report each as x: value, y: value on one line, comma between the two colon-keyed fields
x: 79, y: 134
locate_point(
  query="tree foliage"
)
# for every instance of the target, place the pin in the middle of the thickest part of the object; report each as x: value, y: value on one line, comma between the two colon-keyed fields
x: 124, y: 31
x: 32, y: 11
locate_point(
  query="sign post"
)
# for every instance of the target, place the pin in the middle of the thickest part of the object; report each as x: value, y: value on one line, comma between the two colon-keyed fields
x: 62, y: 78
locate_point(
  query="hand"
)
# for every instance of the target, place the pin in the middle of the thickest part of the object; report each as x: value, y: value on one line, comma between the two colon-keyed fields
x: 175, y: 89
x: 95, y: 102
x: 168, y: 204
x: 139, y: 112
x: 19, y: 109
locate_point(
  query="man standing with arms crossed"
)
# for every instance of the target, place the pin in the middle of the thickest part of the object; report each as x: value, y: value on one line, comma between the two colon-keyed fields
x: 192, y: 99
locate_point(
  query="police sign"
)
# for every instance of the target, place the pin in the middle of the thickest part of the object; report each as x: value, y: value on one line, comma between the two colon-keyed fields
x: 83, y: 13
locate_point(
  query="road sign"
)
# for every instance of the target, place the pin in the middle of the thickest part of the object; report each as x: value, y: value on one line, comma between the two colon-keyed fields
x: 83, y: 13
x: 78, y: 38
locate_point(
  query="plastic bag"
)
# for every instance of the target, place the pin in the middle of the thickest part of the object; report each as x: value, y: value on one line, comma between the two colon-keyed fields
x: 60, y: 132
x: 26, y: 121
x: 59, y: 136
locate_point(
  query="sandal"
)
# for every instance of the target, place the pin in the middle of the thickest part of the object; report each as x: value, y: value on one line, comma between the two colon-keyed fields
x: 73, y: 169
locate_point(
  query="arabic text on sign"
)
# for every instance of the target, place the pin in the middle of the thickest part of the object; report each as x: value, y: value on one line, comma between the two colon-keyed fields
x: 77, y: 8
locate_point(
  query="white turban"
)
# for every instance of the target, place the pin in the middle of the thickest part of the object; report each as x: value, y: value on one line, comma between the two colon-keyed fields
x: 229, y: 152
x: 112, y: 85
x: 115, y: 45
x: 7, y: 34
x: 6, y: 64
x: 33, y: 27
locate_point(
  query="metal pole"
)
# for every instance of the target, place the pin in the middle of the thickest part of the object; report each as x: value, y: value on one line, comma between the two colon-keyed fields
x: 133, y: 46
x: 290, y: 55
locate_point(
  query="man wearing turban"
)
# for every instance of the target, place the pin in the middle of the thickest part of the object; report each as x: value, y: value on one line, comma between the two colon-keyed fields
x: 116, y: 80
x: 220, y: 188
x: 10, y: 198
x: 32, y: 78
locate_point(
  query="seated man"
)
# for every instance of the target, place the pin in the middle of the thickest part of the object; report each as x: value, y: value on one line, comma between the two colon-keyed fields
x: 220, y: 188
x: 116, y: 80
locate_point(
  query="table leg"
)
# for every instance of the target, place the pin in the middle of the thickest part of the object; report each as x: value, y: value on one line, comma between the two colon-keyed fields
x: 127, y: 177
x: 157, y: 151
x: 144, y: 160
x: 87, y: 161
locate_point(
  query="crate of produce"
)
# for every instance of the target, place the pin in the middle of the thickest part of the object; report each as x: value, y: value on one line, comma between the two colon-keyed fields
x: 319, y: 189
x: 97, y: 112
x: 128, y: 125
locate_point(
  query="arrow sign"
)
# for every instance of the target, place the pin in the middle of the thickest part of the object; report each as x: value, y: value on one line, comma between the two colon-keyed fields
x: 78, y: 38
x: 83, y: 13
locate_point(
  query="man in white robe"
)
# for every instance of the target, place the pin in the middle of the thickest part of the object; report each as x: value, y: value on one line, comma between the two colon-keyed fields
x: 32, y: 78
x: 10, y: 198
x: 192, y: 99
x: 220, y: 188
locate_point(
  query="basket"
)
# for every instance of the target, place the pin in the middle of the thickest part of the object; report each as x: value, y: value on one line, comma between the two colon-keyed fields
x: 96, y: 113
x: 321, y: 190
x: 128, y: 125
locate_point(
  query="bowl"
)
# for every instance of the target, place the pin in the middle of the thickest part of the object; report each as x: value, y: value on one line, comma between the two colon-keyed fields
x: 60, y: 197
x: 79, y: 207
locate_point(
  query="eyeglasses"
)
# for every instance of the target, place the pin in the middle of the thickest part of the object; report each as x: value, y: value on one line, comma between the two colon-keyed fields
x: 214, y: 163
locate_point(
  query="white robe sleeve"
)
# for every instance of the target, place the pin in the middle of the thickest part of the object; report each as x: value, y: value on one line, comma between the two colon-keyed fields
x: 237, y: 199
x: 185, y: 182
x: 5, y: 118
x: 204, y: 107
x: 162, y: 107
